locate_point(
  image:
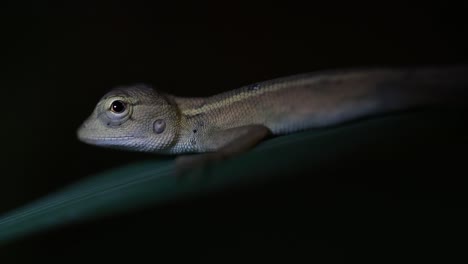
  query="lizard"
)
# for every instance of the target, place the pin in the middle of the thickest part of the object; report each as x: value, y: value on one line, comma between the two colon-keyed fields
x: 138, y: 117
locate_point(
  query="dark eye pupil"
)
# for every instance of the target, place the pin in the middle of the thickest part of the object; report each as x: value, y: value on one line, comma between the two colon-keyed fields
x: 118, y: 106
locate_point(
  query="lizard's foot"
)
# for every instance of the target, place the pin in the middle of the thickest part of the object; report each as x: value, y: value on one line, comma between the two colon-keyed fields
x: 249, y: 137
x: 185, y: 164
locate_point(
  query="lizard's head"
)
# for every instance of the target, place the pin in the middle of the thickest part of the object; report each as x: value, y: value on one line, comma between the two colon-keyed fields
x: 132, y: 118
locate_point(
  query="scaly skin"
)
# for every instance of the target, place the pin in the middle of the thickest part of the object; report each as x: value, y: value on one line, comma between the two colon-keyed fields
x: 154, y: 121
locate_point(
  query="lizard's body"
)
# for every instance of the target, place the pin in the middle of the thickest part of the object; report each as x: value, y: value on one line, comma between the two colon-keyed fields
x: 279, y: 106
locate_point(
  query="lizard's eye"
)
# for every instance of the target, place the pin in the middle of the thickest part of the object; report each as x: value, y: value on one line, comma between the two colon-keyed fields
x: 117, y: 110
x: 118, y: 106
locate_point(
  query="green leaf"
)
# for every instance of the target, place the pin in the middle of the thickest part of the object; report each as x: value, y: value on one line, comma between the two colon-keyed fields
x: 153, y: 182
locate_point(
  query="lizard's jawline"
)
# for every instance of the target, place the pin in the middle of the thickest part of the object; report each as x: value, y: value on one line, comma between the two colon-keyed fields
x: 105, y: 140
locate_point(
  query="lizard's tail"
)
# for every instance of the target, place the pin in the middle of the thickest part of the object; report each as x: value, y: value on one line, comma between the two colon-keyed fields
x: 425, y: 86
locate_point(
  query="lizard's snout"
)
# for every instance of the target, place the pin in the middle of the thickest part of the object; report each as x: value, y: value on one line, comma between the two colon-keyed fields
x: 83, y: 132
x: 80, y: 132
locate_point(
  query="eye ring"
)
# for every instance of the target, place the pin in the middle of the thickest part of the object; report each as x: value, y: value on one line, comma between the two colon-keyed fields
x: 118, y: 107
x: 117, y: 110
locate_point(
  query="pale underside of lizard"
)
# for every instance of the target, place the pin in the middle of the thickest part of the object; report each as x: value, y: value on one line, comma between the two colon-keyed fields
x: 140, y: 118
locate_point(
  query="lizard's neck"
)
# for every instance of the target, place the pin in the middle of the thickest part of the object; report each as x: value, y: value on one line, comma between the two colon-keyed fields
x: 190, y: 127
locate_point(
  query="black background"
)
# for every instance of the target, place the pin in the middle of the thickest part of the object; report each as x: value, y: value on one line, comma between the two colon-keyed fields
x: 56, y: 61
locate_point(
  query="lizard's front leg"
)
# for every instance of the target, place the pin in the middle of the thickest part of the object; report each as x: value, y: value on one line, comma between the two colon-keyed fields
x: 228, y: 143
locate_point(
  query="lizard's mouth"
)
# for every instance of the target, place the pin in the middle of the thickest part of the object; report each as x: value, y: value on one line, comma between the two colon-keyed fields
x: 103, y: 140
x: 86, y: 136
